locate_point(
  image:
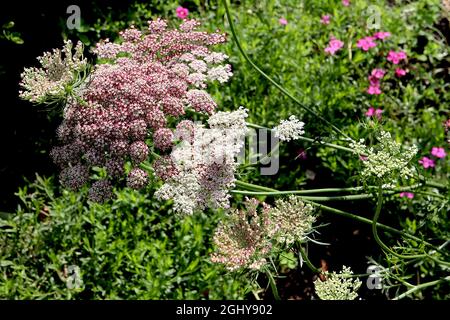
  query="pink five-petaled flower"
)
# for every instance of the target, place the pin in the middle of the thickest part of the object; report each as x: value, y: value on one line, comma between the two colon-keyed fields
x: 381, y: 35
x: 400, y: 72
x: 374, y: 89
x: 345, y: 3
x: 438, y: 152
x: 366, y: 43
x: 374, y: 112
x: 283, y: 21
x: 427, y: 162
x: 325, y: 19
x: 377, y: 73
x: 182, y: 13
x: 408, y: 195
x: 396, y: 57
x: 333, y: 46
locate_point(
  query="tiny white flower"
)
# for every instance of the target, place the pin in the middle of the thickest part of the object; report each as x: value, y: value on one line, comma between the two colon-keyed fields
x: 290, y: 129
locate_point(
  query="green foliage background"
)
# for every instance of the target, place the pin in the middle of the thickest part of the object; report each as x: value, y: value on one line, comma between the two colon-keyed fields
x: 135, y: 247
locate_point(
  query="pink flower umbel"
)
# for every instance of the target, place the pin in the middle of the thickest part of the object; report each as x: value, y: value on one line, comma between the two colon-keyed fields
x: 408, y: 195
x: 400, y: 72
x: 283, y: 21
x: 325, y: 19
x: 438, y: 152
x: 427, y: 162
x: 182, y: 13
x: 382, y: 35
x: 366, y: 43
x: 396, y: 57
x: 333, y: 46
x: 345, y: 3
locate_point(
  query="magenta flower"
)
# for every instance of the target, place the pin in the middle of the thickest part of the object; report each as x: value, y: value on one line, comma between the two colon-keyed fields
x: 396, y: 57
x: 374, y: 89
x: 325, y: 19
x: 374, y: 112
x: 374, y: 81
x: 408, y: 195
x: 366, y: 43
x: 333, y: 46
x: 283, y: 21
x: 400, y: 72
x: 438, y: 152
x: 345, y: 3
x: 382, y: 35
x: 427, y: 162
x: 363, y: 158
x: 378, y: 73
x: 182, y: 13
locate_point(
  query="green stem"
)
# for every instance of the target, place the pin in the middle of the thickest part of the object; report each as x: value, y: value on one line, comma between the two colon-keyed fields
x: 313, y: 141
x: 273, y: 285
x: 377, y: 238
x: 306, y: 260
x: 252, y: 186
x: 312, y: 198
x: 420, y: 287
x: 278, y: 86
x: 432, y: 183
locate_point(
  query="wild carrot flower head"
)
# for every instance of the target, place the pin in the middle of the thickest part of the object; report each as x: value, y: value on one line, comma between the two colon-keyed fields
x: 204, y: 163
x: 338, y: 286
x: 59, y: 70
x: 148, y: 77
x: 242, y: 240
x: 387, y: 160
x: 290, y: 129
x: 293, y: 219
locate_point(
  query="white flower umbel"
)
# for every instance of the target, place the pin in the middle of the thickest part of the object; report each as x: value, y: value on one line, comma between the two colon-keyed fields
x: 338, y: 286
x: 294, y: 219
x: 209, y: 160
x: 243, y: 238
x: 59, y: 70
x: 290, y: 129
x: 387, y: 160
